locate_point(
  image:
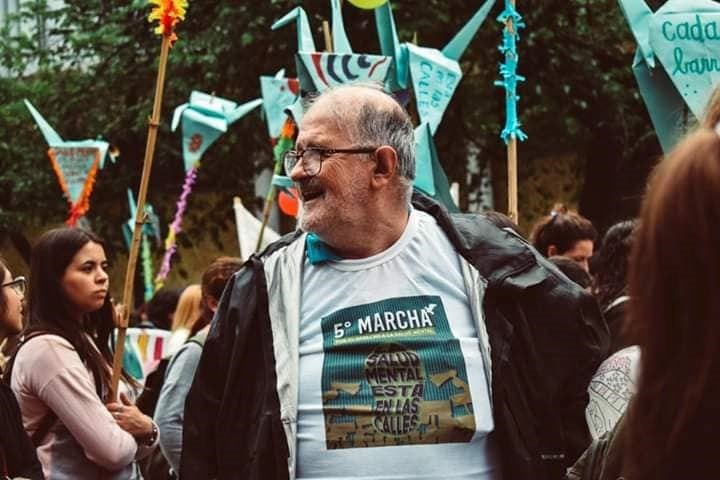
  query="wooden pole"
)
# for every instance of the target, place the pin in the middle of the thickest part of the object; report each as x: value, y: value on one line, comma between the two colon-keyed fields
x: 139, y: 217
x: 328, y: 36
x: 512, y: 187
x: 269, y: 200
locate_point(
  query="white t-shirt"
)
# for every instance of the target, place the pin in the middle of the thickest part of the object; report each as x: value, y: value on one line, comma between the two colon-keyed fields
x: 392, y: 383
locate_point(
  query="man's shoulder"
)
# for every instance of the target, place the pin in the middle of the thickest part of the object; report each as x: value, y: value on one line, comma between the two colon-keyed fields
x: 495, y: 252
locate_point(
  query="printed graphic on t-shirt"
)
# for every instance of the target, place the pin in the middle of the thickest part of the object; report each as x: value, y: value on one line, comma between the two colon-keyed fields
x: 393, y: 374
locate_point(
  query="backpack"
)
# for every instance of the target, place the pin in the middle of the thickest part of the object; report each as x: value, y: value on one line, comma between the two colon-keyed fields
x: 155, y: 466
x: 50, y: 418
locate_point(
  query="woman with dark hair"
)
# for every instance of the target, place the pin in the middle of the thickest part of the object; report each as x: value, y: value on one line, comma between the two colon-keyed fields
x: 565, y: 233
x: 610, y: 269
x: 61, y: 372
x: 670, y: 428
x: 17, y: 453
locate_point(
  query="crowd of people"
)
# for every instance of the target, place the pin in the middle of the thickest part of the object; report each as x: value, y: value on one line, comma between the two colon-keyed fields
x: 386, y: 338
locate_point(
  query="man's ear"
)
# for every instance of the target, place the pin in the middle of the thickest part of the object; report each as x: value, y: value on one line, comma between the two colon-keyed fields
x: 551, y: 251
x: 386, y: 163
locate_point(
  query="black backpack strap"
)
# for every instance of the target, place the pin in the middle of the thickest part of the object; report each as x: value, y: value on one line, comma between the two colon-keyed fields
x: 199, y: 338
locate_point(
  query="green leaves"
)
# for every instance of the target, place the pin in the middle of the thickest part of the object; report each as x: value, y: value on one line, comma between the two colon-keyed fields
x: 94, y: 71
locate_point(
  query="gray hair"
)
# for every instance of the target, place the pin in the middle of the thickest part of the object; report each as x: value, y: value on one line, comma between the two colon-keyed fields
x: 370, y: 121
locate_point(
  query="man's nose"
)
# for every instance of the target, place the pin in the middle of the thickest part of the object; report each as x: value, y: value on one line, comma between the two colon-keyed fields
x: 297, y: 173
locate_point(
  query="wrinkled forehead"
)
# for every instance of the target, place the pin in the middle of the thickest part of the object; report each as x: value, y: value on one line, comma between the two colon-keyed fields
x: 325, y: 124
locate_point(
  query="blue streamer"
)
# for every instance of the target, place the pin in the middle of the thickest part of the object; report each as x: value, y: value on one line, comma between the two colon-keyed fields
x: 508, y: 72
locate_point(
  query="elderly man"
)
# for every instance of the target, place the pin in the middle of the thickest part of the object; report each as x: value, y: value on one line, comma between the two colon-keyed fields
x: 387, y: 339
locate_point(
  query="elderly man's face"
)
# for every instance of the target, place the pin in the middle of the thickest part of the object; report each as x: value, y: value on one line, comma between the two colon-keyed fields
x: 338, y: 196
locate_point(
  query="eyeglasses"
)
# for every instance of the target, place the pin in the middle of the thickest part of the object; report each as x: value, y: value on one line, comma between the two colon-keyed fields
x: 18, y: 284
x: 311, y: 159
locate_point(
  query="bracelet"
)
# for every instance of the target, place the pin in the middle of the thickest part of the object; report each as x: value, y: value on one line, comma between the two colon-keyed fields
x: 149, y: 440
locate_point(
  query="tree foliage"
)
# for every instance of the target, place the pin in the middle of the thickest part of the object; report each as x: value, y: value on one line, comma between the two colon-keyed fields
x: 95, y: 76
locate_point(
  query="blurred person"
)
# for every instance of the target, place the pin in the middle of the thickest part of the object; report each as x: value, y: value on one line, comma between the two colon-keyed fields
x: 609, y: 268
x: 572, y: 270
x: 169, y: 414
x: 565, y: 233
x: 328, y: 347
x: 17, y: 452
x: 61, y: 371
x: 187, y: 313
x: 160, y: 310
x: 670, y: 428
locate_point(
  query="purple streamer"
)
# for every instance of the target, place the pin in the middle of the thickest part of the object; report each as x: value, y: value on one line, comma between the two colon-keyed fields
x: 176, y: 225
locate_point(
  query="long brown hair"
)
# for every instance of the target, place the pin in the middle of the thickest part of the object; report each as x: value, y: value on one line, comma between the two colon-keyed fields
x: 674, y: 419
x: 49, y: 308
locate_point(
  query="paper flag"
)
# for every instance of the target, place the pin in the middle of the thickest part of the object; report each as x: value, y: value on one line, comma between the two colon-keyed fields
x: 341, y: 44
x: 278, y: 93
x: 304, y: 35
x: 75, y: 164
x: 434, y: 80
x: 436, y: 74
x: 685, y: 36
x: 204, y: 119
x: 320, y: 70
x: 390, y: 47
x: 429, y: 175
x: 678, y: 49
x: 150, y: 344
x: 151, y: 227
x: 666, y: 107
x: 248, y: 230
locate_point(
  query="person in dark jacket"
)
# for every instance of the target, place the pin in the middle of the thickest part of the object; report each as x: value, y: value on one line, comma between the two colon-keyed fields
x: 386, y: 338
x: 17, y: 453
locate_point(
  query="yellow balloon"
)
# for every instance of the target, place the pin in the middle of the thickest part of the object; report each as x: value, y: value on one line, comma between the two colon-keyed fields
x: 367, y: 4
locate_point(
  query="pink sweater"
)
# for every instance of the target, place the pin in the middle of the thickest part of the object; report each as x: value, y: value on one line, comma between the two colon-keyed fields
x: 85, y: 442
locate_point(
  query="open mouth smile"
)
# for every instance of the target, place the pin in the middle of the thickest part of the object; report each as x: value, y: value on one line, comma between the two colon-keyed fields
x: 311, y: 193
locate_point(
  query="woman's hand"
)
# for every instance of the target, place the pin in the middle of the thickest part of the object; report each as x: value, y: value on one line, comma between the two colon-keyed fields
x: 130, y: 418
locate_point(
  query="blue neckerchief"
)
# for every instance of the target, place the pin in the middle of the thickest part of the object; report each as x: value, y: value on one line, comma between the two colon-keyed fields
x: 318, y: 251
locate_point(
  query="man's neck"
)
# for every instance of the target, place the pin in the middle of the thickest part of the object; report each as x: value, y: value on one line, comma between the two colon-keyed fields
x: 376, y: 235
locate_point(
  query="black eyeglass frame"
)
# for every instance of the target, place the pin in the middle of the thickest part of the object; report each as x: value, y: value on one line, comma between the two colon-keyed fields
x: 19, y: 284
x: 296, y: 156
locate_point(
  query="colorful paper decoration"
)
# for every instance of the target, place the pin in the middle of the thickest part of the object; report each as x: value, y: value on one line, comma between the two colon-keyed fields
x: 150, y: 344
x: 75, y: 163
x: 434, y: 76
x: 150, y: 229
x: 319, y: 70
x: 508, y: 71
x: 278, y: 93
x: 168, y: 13
x: 677, y: 63
x: 203, y: 120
